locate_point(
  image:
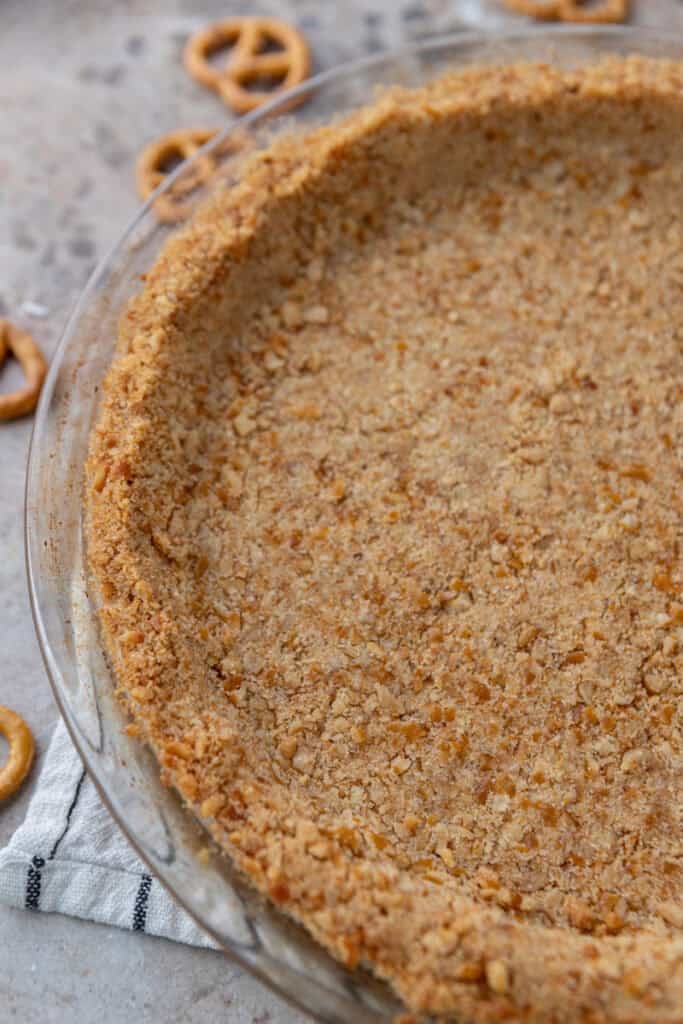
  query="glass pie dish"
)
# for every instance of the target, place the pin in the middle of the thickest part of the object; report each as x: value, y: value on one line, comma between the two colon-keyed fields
x: 166, y: 836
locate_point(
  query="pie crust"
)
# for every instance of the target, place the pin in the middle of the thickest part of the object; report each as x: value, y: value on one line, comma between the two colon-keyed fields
x: 384, y: 516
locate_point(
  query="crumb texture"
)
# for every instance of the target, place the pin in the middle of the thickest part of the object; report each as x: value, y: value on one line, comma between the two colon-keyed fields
x: 384, y: 511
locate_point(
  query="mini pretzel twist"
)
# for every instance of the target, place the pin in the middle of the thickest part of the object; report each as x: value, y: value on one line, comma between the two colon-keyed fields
x: 601, y: 13
x: 248, y: 63
x: 175, y: 204
x: 544, y: 10
x: 24, y: 349
x: 578, y: 11
x: 178, y: 202
x: 21, y: 751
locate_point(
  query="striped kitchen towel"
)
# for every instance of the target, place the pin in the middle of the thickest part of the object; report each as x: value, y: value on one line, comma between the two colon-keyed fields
x: 69, y: 856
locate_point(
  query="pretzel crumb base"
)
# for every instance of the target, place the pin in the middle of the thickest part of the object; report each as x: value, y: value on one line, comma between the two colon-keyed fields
x: 384, y: 510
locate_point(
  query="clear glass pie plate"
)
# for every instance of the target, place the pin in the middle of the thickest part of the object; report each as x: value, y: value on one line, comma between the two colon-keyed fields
x: 163, y: 832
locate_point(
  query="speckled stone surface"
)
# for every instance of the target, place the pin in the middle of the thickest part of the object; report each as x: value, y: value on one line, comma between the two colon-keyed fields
x: 83, y: 85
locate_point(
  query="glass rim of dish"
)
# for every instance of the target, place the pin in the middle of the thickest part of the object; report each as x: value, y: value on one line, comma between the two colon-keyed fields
x: 452, y: 48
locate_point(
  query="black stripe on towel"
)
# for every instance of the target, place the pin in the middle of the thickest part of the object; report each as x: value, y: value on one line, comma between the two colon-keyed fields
x: 72, y: 808
x: 34, y: 875
x: 33, y: 882
x: 141, y: 901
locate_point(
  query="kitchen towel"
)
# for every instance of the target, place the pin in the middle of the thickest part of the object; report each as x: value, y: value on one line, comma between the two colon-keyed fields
x: 70, y: 856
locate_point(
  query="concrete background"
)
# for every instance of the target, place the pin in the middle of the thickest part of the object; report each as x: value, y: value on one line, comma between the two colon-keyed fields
x: 83, y: 85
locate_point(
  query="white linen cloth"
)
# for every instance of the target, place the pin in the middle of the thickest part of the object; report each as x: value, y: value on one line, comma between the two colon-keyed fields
x: 70, y: 856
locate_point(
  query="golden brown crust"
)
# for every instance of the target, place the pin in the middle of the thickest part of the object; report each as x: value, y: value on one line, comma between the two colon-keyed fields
x: 384, y: 511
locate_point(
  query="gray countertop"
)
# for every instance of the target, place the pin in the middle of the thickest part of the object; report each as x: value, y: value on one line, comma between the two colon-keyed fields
x: 83, y: 85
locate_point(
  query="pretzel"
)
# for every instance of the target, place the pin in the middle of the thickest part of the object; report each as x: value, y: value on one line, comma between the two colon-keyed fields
x: 544, y: 10
x: 174, y: 205
x: 603, y: 12
x: 177, y: 202
x: 248, y: 38
x: 21, y: 751
x: 4, y: 348
x: 24, y: 349
x: 572, y: 10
